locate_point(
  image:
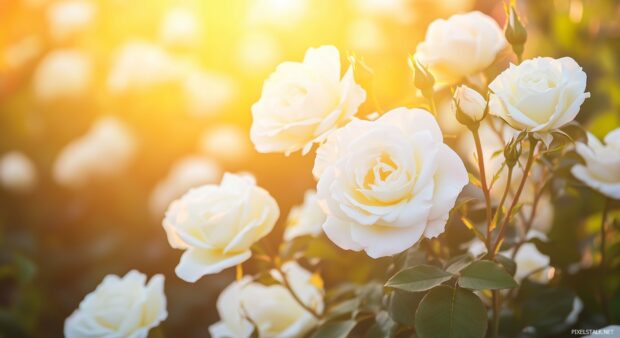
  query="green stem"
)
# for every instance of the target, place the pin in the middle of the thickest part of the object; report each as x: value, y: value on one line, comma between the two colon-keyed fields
x: 495, y: 320
x: 483, y: 183
x: 288, y: 286
x: 515, y: 199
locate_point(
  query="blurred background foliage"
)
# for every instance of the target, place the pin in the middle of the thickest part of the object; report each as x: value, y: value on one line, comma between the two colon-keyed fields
x: 57, y: 243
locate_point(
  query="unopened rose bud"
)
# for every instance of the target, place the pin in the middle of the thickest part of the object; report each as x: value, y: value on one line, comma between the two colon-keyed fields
x: 422, y: 78
x: 515, y: 31
x: 512, y: 152
x: 469, y: 105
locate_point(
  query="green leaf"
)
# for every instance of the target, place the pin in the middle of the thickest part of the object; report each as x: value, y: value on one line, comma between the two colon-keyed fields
x: 345, y: 307
x: 456, y: 264
x: 418, y: 278
x: 402, y: 306
x: 481, y: 275
x: 339, y: 329
x: 384, y: 327
x: 509, y: 265
x: 451, y: 312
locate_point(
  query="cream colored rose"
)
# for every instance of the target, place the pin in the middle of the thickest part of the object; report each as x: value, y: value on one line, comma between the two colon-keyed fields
x: 62, y: 74
x: 539, y: 95
x: 17, y: 172
x: 461, y: 46
x: 272, y: 308
x: 306, y: 219
x: 388, y: 183
x: 217, y: 224
x: 106, y: 150
x: 120, y: 307
x: 601, y: 171
x: 531, y: 264
x: 302, y: 102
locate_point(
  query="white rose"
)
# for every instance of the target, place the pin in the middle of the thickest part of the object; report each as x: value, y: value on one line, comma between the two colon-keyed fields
x: 386, y: 184
x: 305, y: 219
x: 601, y: 171
x: 272, y: 308
x: 302, y: 102
x: 139, y: 65
x: 227, y: 143
x: 66, y: 18
x: 17, y: 172
x: 186, y: 173
x: 106, y: 150
x: 539, y: 95
x: 180, y: 27
x: 461, y: 46
x: 120, y: 307
x: 531, y: 264
x: 62, y: 74
x: 470, y: 102
x: 217, y: 224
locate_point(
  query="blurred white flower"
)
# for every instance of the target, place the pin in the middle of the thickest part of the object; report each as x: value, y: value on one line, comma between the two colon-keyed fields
x: 279, y: 13
x: 217, y: 224
x: 188, y: 172
x: 68, y: 17
x: 388, y: 183
x: 64, y: 73
x: 302, y: 102
x: 271, y: 308
x: 399, y: 10
x: 104, y: 151
x: 531, y: 264
x: 120, y: 307
x: 305, y: 219
x: 539, y: 95
x: 365, y: 35
x: 461, y: 46
x: 573, y: 316
x: 227, y: 143
x: 207, y: 93
x: 258, y: 51
x: 139, y: 65
x: 17, y: 172
x: 180, y: 27
x: 601, y: 171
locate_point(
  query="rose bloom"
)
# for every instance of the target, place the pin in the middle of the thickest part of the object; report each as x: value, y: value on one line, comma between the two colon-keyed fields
x: 461, y: 46
x: 306, y: 219
x: 539, y: 95
x: 271, y: 308
x: 217, y: 224
x: 601, y: 171
x: 106, y: 150
x: 62, y: 74
x: 120, y: 307
x: 17, y: 172
x: 531, y: 264
x: 386, y: 184
x: 302, y: 102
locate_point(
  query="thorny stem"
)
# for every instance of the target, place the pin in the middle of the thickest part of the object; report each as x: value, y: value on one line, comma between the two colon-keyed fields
x: 515, y: 199
x: 483, y: 182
